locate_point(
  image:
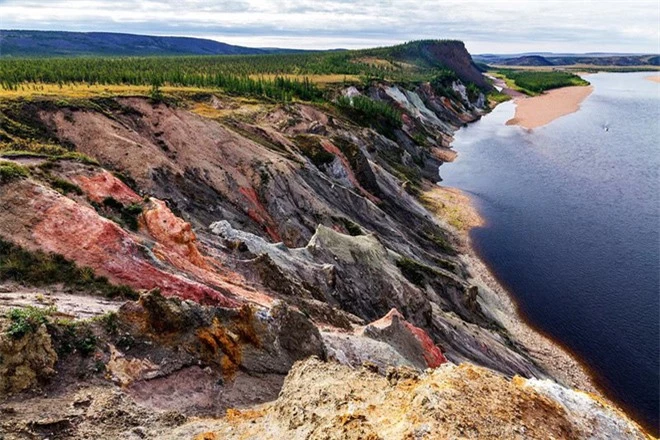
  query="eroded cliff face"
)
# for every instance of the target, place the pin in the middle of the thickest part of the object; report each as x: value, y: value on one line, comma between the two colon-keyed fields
x: 259, y: 235
x: 321, y: 401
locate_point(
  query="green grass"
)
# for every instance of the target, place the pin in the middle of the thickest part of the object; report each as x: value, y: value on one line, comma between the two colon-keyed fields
x: 540, y: 81
x: 498, y: 97
x: 42, y: 269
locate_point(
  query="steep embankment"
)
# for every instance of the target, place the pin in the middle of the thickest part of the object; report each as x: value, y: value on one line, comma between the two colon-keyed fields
x: 257, y: 235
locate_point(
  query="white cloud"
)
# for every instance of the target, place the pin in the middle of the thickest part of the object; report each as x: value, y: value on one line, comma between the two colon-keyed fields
x: 485, y: 26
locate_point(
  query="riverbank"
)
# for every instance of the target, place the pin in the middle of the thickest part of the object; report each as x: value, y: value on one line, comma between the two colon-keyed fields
x: 537, y: 111
x: 562, y: 281
x: 457, y: 210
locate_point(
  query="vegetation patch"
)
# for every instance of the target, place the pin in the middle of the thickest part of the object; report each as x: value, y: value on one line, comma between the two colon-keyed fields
x: 12, y: 171
x: 125, y: 215
x: 41, y: 269
x: 73, y: 337
x: 413, y: 271
x: 442, y: 84
x: 311, y: 147
x: 64, y: 186
x: 351, y: 227
x: 26, y: 320
x: 418, y: 273
x: 365, y: 111
x: 440, y: 241
x: 497, y: 97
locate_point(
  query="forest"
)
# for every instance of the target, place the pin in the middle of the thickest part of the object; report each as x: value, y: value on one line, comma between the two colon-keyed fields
x: 533, y: 82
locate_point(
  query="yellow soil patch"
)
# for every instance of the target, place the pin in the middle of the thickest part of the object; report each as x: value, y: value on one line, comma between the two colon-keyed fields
x: 231, y: 108
x: 451, y: 205
x: 29, y: 90
x: 379, y: 62
x: 375, y: 62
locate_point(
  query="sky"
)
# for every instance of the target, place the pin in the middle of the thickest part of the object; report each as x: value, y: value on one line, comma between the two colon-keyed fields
x: 486, y: 26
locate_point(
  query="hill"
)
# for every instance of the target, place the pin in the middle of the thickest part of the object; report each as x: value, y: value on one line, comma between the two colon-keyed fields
x: 16, y: 43
x: 527, y: 60
x: 568, y: 59
x: 417, y: 61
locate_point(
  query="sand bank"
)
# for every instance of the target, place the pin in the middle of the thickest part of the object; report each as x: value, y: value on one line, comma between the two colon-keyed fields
x: 654, y: 78
x: 536, y: 111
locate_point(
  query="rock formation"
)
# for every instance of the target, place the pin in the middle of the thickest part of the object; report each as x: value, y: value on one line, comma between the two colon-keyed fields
x: 256, y: 237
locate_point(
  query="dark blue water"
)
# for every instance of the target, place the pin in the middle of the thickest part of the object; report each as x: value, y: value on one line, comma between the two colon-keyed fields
x: 572, y: 213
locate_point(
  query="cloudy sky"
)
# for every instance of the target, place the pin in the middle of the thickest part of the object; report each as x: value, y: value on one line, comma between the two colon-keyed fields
x: 485, y: 25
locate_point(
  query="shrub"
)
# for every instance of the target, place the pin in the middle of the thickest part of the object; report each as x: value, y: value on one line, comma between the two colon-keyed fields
x: 155, y: 93
x: 417, y: 273
x: 27, y: 320
x: 472, y: 91
x: 71, y: 336
x: 442, y: 84
x: 129, y: 214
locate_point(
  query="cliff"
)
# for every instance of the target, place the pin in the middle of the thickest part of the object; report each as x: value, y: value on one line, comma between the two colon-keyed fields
x: 217, y: 243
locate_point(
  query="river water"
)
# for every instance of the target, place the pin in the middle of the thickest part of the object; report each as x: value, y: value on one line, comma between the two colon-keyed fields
x: 573, y: 228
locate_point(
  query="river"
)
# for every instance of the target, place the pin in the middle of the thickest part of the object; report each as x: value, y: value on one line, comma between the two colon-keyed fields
x: 573, y: 228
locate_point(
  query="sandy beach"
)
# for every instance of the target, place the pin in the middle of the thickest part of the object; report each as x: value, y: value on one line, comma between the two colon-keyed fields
x: 654, y: 78
x: 537, y: 111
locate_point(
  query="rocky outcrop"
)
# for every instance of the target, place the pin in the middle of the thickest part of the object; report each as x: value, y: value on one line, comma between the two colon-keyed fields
x: 330, y: 401
x: 388, y: 342
x: 26, y: 361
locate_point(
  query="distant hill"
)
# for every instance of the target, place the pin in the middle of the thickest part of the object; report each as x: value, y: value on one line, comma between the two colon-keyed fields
x: 569, y: 59
x: 55, y: 43
x: 527, y: 60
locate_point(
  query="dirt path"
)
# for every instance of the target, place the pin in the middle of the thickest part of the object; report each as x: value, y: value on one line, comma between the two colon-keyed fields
x: 74, y: 306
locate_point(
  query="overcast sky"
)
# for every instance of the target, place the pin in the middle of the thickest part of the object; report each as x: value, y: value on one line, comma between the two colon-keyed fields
x: 486, y: 26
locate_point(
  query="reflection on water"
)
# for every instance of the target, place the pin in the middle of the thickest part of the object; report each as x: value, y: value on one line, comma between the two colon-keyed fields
x: 572, y: 212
